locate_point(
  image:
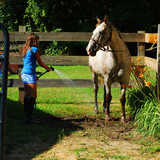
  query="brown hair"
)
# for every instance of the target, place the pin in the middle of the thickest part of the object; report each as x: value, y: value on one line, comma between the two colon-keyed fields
x: 32, y: 40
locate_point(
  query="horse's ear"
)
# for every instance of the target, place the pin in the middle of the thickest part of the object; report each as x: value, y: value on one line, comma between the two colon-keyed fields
x: 106, y: 19
x: 98, y: 21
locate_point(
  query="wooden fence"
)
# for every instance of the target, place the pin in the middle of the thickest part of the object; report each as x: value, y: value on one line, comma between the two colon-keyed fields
x: 140, y: 38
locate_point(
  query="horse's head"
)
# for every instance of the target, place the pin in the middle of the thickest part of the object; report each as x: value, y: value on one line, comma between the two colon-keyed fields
x: 100, y: 37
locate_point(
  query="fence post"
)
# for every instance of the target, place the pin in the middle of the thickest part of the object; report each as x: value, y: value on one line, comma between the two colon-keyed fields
x: 3, y: 93
x: 141, y: 46
x: 158, y: 62
x: 21, y: 89
x: 22, y: 29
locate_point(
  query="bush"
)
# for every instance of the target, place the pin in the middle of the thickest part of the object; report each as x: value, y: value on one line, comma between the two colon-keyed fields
x: 54, y: 49
x: 143, y: 102
x: 148, y: 118
x: 136, y: 99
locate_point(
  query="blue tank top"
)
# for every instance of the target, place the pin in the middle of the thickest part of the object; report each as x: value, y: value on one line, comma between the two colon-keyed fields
x: 29, y: 61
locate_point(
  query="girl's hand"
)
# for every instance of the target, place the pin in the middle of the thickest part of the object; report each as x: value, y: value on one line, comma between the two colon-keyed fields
x: 48, y: 68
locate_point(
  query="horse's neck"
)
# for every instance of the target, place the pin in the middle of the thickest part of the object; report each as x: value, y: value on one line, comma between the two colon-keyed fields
x: 117, y: 43
x: 120, y: 50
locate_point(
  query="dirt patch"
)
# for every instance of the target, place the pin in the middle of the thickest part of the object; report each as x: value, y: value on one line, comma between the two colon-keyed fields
x: 99, y: 141
x: 86, y: 138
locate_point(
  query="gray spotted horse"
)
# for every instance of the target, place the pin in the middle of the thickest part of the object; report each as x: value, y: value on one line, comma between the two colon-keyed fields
x: 110, y: 59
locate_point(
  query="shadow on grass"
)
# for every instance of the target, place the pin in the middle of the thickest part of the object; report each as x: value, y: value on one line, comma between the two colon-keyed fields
x: 28, y: 141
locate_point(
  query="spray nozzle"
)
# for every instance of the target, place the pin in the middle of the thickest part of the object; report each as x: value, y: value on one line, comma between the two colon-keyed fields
x: 52, y: 68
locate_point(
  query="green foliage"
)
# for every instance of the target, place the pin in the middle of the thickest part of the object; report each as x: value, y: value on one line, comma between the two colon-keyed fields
x: 8, y: 17
x: 145, y: 109
x: 57, y: 30
x: 143, y: 102
x: 148, y: 118
x: 74, y: 16
x: 143, y: 88
x: 136, y: 98
x: 34, y: 15
x: 1, y: 13
x: 54, y: 49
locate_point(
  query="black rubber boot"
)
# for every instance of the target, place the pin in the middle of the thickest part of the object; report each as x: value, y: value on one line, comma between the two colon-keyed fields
x: 31, y: 107
x: 29, y: 103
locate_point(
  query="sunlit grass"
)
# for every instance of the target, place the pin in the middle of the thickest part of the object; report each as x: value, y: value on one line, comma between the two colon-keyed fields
x: 69, y: 101
x: 52, y: 105
x: 58, y: 109
x: 73, y: 72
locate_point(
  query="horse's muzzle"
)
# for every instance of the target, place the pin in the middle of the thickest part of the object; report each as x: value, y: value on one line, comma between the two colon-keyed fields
x: 91, y: 51
x: 92, y: 54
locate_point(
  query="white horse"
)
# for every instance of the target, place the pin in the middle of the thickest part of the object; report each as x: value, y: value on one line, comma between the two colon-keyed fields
x: 110, y: 59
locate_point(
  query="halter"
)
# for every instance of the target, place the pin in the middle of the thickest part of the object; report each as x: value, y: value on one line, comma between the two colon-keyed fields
x: 98, y: 45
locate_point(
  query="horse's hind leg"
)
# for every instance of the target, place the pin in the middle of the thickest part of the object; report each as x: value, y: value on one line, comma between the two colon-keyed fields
x: 95, y: 83
x: 123, y: 101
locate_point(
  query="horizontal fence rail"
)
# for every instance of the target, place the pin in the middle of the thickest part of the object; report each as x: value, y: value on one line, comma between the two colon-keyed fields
x: 55, y: 60
x: 82, y: 60
x: 78, y: 36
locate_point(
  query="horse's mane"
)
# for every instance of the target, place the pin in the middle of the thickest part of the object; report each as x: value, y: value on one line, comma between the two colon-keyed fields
x: 114, y: 28
x: 116, y: 31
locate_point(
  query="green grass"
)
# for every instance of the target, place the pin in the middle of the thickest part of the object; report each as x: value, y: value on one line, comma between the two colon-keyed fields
x: 150, y: 149
x: 120, y: 157
x: 147, y: 119
x: 59, y: 110
x: 53, y: 105
x: 67, y: 101
x: 73, y: 72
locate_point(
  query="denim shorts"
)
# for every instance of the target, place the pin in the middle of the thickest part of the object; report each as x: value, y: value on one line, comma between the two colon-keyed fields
x: 28, y: 78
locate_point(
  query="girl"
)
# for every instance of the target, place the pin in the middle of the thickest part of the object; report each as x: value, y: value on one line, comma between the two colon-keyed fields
x: 31, y: 54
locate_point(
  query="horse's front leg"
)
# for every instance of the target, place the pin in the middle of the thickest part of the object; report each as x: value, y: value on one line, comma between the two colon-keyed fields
x: 123, y: 101
x: 104, y: 100
x: 107, y: 99
x: 95, y: 84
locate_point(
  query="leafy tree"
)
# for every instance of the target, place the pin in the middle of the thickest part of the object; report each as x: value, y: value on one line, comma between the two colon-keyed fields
x: 11, y: 12
x: 78, y: 15
x: 34, y: 15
